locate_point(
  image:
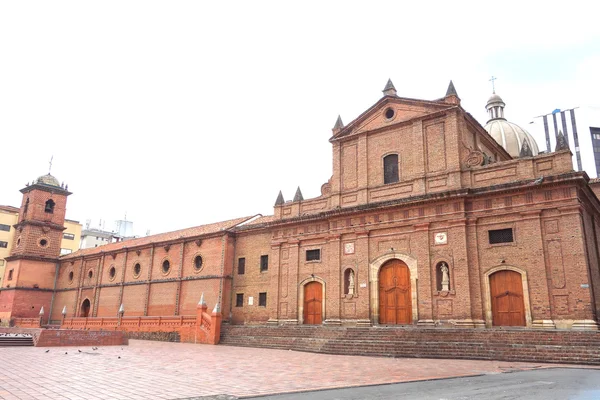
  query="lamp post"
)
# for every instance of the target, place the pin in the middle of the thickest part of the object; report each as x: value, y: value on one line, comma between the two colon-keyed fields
x: 121, y: 312
x: 41, y: 316
x: 64, y: 314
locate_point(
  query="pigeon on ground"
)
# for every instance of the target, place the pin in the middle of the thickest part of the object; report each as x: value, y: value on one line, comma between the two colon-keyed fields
x: 79, y: 351
x: 47, y: 350
x: 119, y: 357
x: 66, y: 352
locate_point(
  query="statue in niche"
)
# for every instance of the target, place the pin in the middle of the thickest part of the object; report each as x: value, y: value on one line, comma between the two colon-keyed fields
x: 351, y: 283
x: 445, y: 277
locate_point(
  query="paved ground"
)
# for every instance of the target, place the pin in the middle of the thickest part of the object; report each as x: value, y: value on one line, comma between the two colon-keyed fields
x: 157, y: 370
x: 542, y: 384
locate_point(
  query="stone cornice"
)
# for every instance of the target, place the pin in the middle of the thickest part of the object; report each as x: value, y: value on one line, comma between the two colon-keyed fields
x: 45, y: 188
x: 31, y: 258
x: 48, y: 224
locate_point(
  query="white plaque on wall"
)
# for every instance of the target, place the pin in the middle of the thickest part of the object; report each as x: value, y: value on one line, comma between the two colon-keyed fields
x: 349, y: 248
x: 250, y: 300
x: 441, y: 238
x: 363, y: 285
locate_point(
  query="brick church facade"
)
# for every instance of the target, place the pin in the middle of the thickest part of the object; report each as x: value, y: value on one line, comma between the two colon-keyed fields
x: 427, y: 220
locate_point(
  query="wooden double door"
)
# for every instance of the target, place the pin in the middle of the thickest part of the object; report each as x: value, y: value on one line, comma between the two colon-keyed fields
x: 508, y: 306
x: 395, y: 301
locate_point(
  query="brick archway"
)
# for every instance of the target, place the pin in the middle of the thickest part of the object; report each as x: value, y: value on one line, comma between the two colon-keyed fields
x: 374, y: 268
x: 488, y: 294
x: 86, y: 307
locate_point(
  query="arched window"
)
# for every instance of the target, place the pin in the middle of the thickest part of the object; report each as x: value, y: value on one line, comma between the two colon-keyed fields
x: 442, y: 274
x: 349, y: 279
x: 390, y: 169
x: 26, y: 208
x: 49, y: 207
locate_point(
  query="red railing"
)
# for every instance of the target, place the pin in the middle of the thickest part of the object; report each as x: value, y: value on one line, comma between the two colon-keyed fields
x: 26, y: 322
x: 201, y: 328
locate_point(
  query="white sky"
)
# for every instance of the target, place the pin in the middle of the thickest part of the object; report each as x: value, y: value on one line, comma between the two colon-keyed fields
x: 180, y: 113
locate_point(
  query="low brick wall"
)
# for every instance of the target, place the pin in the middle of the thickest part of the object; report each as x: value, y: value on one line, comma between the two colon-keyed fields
x: 555, y: 346
x: 200, y: 328
x: 67, y: 337
x: 62, y: 337
x: 26, y: 322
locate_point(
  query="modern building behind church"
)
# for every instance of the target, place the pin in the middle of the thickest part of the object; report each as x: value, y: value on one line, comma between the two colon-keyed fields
x: 427, y: 220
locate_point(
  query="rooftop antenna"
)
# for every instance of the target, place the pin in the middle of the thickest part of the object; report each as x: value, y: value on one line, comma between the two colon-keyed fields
x: 492, y: 79
x: 50, y: 168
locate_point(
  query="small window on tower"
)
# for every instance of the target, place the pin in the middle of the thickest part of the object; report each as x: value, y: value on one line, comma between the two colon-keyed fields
x: 166, y: 267
x: 262, y: 299
x: 10, y: 274
x: 390, y: 169
x: 264, y: 263
x: 239, y: 300
x: 241, y: 266
x: 49, y: 207
x: 3, y: 245
x: 4, y: 227
x: 137, y: 269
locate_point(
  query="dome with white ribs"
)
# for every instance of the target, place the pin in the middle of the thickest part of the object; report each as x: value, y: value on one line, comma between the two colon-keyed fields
x: 515, y: 140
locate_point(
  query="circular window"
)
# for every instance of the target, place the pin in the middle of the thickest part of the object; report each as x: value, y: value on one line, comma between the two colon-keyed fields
x: 112, y: 272
x: 90, y: 274
x: 389, y: 113
x: 137, y: 270
x: 166, y: 266
x: 198, y: 263
x: 70, y: 276
x: 43, y: 243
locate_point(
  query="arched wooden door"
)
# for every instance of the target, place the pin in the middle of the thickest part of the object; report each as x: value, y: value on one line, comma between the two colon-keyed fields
x: 506, y: 290
x: 395, y: 306
x: 313, y: 303
x: 85, y: 308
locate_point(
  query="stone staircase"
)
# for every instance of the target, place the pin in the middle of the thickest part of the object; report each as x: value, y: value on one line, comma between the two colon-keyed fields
x: 11, y: 340
x: 555, y: 346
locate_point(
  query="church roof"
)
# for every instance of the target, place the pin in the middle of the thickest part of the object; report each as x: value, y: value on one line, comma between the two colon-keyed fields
x: 10, y: 209
x: 160, y: 238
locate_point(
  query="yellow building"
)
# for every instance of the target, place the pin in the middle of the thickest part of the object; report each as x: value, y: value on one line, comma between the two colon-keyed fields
x: 71, y: 237
x: 10, y: 216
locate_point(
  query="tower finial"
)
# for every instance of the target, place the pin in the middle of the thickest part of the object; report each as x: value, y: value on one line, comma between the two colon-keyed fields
x: 298, y: 196
x: 561, y: 142
x: 280, y: 201
x: 50, y: 168
x: 492, y: 79
x: 451, y: 90
x: 389, y: 89
x: 338, y: 124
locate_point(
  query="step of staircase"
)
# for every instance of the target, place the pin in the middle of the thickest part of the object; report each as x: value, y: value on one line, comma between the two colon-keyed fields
x: 556, y: 346
x: 10, y: 341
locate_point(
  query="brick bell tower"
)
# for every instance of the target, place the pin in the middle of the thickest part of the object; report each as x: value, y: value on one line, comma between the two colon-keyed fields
x: 31, y: 268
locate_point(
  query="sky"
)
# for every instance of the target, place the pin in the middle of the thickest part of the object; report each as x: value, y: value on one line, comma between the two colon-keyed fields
x: 176, y: 114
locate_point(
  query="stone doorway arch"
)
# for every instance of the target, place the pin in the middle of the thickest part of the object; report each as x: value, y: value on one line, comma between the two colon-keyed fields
x: 85, y: 308
x: 374, y: 268
x: 489, y: 319
x: 301, y: 298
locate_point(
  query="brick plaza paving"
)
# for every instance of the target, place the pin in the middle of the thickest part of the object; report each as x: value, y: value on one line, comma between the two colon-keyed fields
x: 158, y: 370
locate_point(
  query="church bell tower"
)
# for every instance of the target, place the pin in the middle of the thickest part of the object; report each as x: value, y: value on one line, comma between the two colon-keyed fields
x: 31, y: 268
